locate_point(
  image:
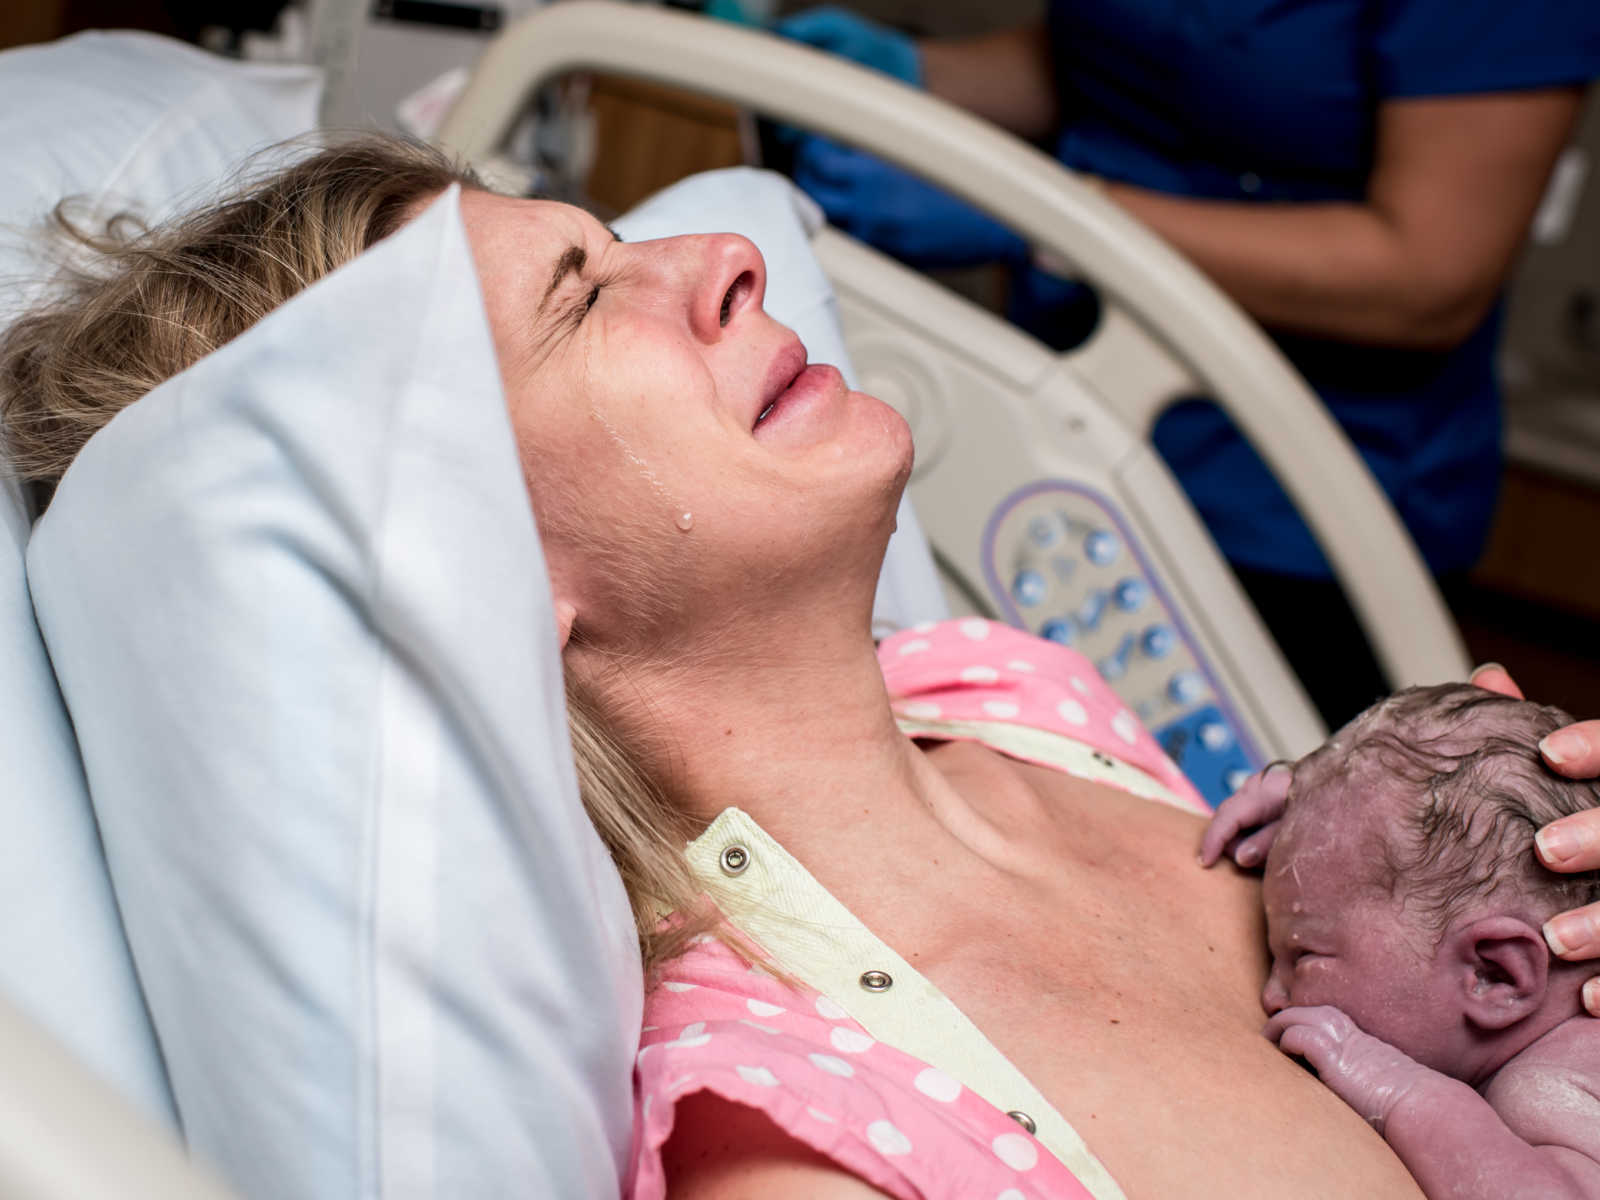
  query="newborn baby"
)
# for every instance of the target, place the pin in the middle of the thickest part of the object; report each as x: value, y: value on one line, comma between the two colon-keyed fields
x: 1404, y: 905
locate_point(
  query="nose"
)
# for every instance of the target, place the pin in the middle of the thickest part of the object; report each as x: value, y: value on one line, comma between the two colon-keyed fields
x: 725, y: 277
x: 1275, y: 995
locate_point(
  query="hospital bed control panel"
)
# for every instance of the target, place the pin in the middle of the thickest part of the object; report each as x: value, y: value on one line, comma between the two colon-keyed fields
x: 1061, y: 563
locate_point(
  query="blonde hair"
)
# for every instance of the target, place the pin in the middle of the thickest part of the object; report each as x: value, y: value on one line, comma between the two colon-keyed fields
x: 156, y: 301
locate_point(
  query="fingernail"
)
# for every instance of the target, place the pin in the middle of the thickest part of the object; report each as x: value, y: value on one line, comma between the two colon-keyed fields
x: 1563, y: 746
x: 1557, y: 842
x: 1591, y: 996
x: 1483, y: 667
x: 1565, y: 933
x: 1248, y: 856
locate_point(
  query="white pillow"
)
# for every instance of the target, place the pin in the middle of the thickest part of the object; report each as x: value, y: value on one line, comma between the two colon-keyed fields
x: 129, y: 122
x: 780, y: 219
x: 126, y: 121
x: 297, y: 607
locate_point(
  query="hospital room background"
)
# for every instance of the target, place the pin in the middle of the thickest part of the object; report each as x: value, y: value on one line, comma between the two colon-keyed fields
x: 612, y: 142
x: 1533, y: 599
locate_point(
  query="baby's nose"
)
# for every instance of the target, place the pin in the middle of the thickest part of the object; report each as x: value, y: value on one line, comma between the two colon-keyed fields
x: 1274, y: 997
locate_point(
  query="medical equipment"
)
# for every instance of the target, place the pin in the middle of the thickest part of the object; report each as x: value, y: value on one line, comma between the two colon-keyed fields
x: 1042, y: 499
x: 1080, y: 465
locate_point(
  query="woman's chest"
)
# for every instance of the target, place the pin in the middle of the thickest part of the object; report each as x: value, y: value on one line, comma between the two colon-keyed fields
x: 1126, y: 989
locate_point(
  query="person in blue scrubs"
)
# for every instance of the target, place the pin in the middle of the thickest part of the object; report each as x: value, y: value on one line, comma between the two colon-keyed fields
x: 1357, y: 174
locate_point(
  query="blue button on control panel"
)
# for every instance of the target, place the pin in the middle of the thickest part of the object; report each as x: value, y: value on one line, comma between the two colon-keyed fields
x: 1029, y: 588
x: 1057, y: 629
x: 1102, y: 547
x: 1215, y: 765
x: 1060, y: 560
x: 1158, y: 641
x: 1130, y: 594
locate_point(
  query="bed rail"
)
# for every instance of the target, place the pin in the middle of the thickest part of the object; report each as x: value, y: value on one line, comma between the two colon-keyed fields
x: 1207, y: 337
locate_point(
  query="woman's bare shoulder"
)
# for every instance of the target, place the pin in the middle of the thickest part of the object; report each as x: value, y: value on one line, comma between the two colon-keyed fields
x: 721, y: 1150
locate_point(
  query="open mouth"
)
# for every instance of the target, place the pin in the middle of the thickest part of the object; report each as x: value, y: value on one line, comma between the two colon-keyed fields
x: 786, y: 370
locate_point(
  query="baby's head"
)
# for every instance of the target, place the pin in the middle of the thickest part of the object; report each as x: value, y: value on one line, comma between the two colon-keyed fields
x: 1402, y: 886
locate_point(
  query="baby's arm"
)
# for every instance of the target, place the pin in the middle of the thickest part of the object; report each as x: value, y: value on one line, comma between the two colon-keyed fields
x: 1453, y: 1142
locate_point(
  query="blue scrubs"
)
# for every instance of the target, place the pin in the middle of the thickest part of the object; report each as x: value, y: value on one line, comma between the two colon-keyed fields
x: 1275, y: 100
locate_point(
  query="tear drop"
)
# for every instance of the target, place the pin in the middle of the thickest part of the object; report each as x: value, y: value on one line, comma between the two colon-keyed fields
x: 686, y: 521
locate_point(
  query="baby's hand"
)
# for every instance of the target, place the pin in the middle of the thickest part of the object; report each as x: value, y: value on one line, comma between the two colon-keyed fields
x: 1247, y: 821
x: 1368, y: 1074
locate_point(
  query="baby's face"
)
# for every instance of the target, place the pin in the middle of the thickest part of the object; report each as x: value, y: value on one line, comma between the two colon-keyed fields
x: 1337, y: 940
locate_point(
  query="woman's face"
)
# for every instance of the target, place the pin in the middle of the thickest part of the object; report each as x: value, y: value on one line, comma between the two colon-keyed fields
x: 672, y: 436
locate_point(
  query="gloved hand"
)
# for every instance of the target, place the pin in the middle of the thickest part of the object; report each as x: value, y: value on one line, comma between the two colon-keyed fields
x: 858, y: 39
x: 897, y: 212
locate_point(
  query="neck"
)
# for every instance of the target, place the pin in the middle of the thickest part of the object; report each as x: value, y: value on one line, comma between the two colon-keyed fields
x: 798, y: 732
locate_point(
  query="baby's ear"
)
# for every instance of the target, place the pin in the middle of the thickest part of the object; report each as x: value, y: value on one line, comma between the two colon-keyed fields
x: 1503, y: 966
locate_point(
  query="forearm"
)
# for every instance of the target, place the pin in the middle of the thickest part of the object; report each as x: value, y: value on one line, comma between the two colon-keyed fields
x: 1457, y: 1148
x: 1420, y: 259
x: 1341, y: 271
x: 1006, y: 78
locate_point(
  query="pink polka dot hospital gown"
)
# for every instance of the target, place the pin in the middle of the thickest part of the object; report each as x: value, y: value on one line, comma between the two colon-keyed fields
x: 867, y: 1062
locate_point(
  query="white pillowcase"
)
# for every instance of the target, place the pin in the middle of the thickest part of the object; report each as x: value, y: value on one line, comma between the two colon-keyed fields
x: 780, y: 219
x: 127, y: 121
x: 297, y: 606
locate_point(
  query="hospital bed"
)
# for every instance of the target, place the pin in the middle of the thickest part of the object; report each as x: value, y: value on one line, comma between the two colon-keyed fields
x: 1044, y: 504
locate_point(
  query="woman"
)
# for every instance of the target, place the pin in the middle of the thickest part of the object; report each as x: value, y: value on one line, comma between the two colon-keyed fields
x: 713, y: 514
x: 1357, y: 176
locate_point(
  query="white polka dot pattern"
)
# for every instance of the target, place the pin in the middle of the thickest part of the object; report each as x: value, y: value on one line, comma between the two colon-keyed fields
x: 1016, y: 1150
x: 936, y: 1085
x: 692, y: 1035
x: 1125, y: 727
x: 830, y: 1010
x: 850, y: 1041
x: 886, y: 1139
x: 876, y: 1110
x: 976, y: 674
x: 1072, y: 712
x: 832, y: 1065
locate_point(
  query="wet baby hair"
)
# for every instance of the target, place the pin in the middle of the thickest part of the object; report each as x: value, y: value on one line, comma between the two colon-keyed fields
x: 1472, y: 791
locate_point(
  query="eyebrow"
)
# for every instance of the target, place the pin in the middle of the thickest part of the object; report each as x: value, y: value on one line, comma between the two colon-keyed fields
x: 573, y: 258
